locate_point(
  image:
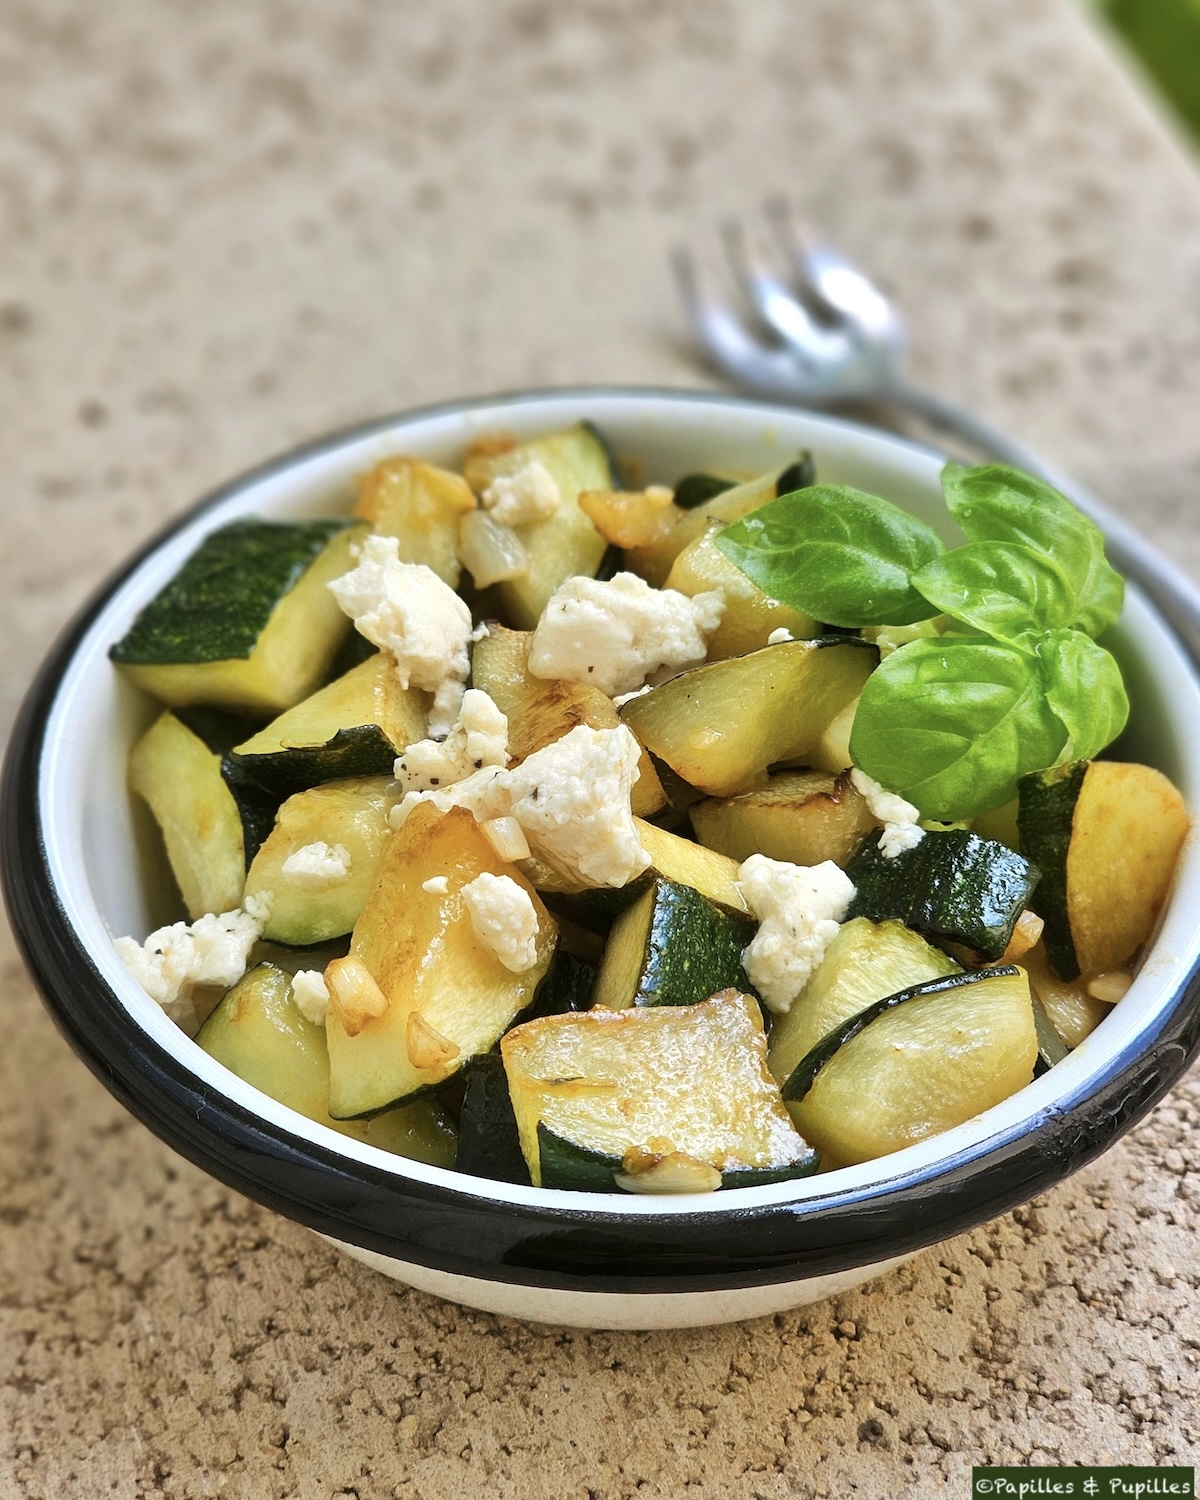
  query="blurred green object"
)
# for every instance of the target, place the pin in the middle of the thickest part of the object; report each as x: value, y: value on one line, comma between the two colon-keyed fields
x: 1165, y: 36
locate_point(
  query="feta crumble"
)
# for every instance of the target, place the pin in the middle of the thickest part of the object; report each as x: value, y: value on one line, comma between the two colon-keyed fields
x: 176, y: 961
x: 615, y: 634
x: 570, y: 798
x: 406, y: 610
x: 798, y: 908
x: 479, y: 738
x: 314, y: 866
x: 530, y: 494
x: 503, y: 919
x: 311, y: 995
x: 436, y: 885
x: 901, y: 829
x: 777, y: 637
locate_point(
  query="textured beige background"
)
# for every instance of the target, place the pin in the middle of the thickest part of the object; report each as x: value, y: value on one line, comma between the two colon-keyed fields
x: 227, y: 226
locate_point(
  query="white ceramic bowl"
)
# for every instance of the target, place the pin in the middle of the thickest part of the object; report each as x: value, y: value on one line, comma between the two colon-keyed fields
x: 73, y: 880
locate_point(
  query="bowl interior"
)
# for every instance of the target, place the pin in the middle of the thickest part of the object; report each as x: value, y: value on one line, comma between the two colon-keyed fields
x: 111, y: 880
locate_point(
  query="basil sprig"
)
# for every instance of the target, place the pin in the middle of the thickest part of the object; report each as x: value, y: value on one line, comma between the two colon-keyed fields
x: 1016, y: 683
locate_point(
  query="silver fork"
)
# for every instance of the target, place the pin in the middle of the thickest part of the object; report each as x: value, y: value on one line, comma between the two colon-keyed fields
x: 820, y: 333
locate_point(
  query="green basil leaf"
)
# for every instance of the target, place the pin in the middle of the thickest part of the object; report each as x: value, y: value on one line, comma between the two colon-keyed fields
x: 1084, y: 688
x: 835, y: 553
x: 994, y: 503
x: 952, y: 723
x: 1003, y: 589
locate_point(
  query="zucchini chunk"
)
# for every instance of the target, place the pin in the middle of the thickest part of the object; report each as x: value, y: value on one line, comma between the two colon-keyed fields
x: 247, y: 624
x: 673, y: 947
x: 180, y: 778
x: 256, y: 804
x: 258, y: 1033
x: 655, y: 560
x: 1106, y: 836
x: 310, y: 902
x: 499, y: 667
x: 446, y: 997
x: 566, y: 542
x: 750, y: 615
x: 569, y: 982
x: 488, y: 1142
x: 865, y: 962
x: 916, y: 1063
x: 803, y: 817
x: 953, y: 886
x: 721, y: 725
x: 605, y: 1097
x: 355, y: 726
x: 560, y: 706
x: 421, y: 506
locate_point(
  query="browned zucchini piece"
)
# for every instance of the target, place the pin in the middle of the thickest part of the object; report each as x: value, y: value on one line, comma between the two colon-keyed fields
x: 605, y: 1098
x: 750, y: 615
x: 655, y: 560
x: 421, y: 505
x: 445, y: 996
x: 500, y: 666
x: 558, y: 707
x: 803, y: 817
x: 721, y: 725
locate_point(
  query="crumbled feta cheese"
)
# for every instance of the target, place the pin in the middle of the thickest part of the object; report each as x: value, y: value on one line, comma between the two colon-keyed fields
x: 571, y: 799
x: 503, y: 919
x: 777, y: 637
x: 177, y: 960
x: 314, y: 866
x: 901, y: 829
x: 407, y: 611
x: 479, y: 738
x: 622, y: 698
x: 530, y: 494
x: 798, y: 908
x: 480, y: 633
x: 616, y: 634
x: 311, y: 995
x: 436, y: 885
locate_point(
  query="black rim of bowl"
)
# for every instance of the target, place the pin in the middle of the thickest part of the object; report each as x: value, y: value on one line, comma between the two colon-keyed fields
x: 450, y: 1229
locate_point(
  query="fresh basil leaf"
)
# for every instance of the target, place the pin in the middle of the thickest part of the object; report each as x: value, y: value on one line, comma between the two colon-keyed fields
x: 835, y: 553
x: 951, y: 724
x: 1003, y: 589
x: 994, y: 503
x: 1083, y: 686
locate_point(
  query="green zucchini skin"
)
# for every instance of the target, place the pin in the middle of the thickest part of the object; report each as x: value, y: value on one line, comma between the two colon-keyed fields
x: 674, y: 947
x: 953, y: 887
x: 1045, y: 816
x: 804, y: 1075
x: 216, y: 606
x: 362, y: 750
x: 577, y: 1169
x: 798, y: 476
x: 488, y: 1143
x: 568, y: 985
x: 695, y: 489
x: 256, y: 803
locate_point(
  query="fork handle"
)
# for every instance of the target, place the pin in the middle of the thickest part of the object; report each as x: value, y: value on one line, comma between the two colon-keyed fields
x: 1172, y: 591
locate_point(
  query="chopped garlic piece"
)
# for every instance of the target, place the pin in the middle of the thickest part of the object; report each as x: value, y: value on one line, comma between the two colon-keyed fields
x: 503, y: 919
x: 615, y: 634
x: 176, y: 961
x: 1110, y: 987
x: 901, y: 829
x: 519, y: 499
x: 311, y: 995
x: 506, y: 837
x: 407, y: 611
x: 479, y: 738
x: 314, y: 866
x: 798, y: 908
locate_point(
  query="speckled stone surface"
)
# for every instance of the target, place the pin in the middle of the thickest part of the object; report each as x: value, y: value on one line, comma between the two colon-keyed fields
x: 225, y: 227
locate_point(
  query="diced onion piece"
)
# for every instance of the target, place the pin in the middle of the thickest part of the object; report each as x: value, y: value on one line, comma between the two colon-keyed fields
x: 490, y: 551
x: 506, y: 837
